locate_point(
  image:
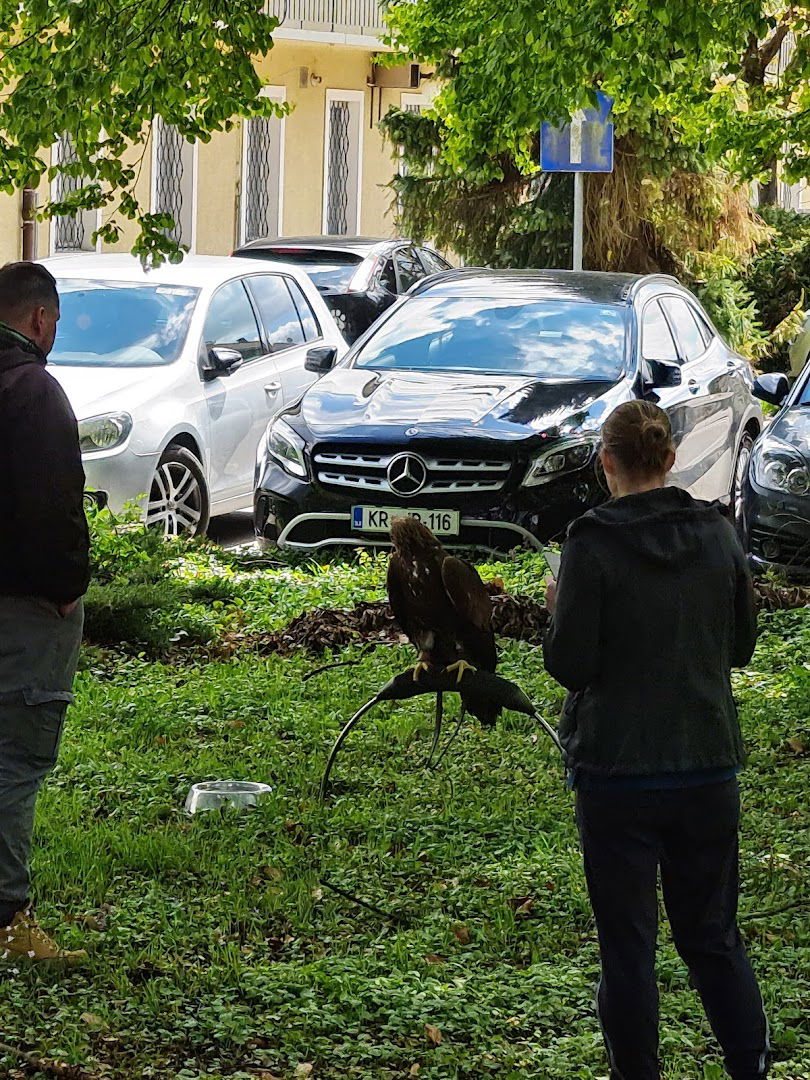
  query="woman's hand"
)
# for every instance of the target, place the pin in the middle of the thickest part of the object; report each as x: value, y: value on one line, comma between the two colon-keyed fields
x: 551, y: 594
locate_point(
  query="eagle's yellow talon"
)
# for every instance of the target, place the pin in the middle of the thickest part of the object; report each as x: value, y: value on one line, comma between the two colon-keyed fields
x: 421, y: 666
x: 459, y: 668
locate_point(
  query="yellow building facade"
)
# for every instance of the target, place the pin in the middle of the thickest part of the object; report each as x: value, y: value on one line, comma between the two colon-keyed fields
x: 322, y: 168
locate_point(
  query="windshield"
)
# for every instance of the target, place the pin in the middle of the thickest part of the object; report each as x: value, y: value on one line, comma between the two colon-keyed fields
x: 327, y: 271
x: 121, y: 323
x: 545, y: 339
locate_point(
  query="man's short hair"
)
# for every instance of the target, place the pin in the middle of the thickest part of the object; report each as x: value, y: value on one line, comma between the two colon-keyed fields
x: 25, y: 286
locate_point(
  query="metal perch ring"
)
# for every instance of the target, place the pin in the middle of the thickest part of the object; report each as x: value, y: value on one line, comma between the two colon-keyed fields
x: 438, y: 681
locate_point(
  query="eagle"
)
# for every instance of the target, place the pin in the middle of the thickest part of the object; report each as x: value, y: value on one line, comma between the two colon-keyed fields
x: 443, y: 606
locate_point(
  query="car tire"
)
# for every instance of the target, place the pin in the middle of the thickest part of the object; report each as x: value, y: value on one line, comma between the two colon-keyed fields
x: 738, y: 480
x: 179, y: 503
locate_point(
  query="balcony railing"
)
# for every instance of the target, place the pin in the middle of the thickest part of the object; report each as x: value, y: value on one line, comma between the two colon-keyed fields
x: 356, y: 17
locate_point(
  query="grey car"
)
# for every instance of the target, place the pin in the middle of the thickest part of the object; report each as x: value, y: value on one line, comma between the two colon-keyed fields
x: 174, y: 373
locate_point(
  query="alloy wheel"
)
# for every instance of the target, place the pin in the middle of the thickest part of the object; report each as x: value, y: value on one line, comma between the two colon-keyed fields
x: 740, y: 473
x: 175, y: 501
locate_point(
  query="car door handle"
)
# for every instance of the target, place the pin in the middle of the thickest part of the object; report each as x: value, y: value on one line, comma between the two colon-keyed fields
x: 272, y: 387
x: 694, y: 386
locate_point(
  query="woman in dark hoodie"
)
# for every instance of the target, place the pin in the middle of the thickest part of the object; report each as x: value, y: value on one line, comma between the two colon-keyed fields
x: 653, y: 608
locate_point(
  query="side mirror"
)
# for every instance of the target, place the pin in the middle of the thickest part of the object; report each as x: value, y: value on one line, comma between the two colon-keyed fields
x: 221, y: 361
x: 662, y: 374
x: 322, y: 359
x: 772, y: 387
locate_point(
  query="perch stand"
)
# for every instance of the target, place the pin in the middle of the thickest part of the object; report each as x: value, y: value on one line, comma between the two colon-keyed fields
x: 487, y: 687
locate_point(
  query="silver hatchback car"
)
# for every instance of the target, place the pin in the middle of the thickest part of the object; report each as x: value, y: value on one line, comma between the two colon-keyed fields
x: 174, y: 373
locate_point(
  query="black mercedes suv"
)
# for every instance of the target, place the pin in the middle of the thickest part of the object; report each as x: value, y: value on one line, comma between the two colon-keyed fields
x: 776, y: 502
x: 476, y: 403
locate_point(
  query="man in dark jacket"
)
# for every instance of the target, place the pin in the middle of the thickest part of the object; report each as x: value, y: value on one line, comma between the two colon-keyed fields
x: 44, y: 571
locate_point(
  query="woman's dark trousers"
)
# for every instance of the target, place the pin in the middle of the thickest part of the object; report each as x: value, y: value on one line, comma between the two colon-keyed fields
x: 692, y: 834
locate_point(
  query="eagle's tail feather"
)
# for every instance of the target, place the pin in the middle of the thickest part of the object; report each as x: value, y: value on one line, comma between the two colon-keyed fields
x: 485, y: 711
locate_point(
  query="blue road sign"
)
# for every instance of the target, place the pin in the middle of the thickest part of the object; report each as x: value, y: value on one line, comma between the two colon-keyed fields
x: 585, y: 145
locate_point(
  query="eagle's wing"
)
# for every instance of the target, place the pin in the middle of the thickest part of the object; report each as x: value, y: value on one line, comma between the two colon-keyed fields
x: 397, y: 595
x: 467, y: 592
x: 473, y: 604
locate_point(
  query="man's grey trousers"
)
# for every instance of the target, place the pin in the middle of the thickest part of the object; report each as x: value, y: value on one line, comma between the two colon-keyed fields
x: 38, y: 654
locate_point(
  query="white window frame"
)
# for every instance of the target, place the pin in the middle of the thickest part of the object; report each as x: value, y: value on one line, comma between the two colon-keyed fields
x: 195, y: 154
x: 53, y: 221
x: 422, y: 100
x: 359, y: 97
x: 278, y: 94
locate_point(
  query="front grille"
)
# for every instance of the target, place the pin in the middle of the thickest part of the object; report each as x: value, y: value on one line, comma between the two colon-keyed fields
x: 367, y: 472
x: 780, y: 546
x: 314, y: 533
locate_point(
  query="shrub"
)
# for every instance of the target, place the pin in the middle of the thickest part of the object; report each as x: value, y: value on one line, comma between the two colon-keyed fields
x: 731, y: 308
x: 135, y: 597
x: 779, y: 275
x: 778, y: 279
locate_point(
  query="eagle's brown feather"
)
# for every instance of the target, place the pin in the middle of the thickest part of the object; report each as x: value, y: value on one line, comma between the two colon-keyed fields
x: 440, y: 602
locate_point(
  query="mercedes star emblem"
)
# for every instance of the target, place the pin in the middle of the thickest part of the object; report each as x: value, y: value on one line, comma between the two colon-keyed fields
x: 407, y: 474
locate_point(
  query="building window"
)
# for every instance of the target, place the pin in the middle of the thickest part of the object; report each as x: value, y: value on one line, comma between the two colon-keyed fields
x: 262, y: 174
x: 70, y: 232
x: 343, y: 155
x: 174, y: 181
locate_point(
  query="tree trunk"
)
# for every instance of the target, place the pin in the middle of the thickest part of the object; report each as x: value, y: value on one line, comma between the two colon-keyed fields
x: 768, y: 194
x: 29, y: 225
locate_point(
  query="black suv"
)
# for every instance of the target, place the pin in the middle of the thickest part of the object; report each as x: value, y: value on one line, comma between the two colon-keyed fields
x: 357, y: 276
x: 477, y: 401
x: 776, y: 504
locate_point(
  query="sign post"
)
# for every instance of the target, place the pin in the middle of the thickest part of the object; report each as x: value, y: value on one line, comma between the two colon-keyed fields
x: 579, y: 217
x: 585, y: 145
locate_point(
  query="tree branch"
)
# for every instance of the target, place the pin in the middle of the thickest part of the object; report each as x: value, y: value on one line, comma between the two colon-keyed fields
x: 759, y: 54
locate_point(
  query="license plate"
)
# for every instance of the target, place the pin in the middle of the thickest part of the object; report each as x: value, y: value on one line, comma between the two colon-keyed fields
x: 378, y: 519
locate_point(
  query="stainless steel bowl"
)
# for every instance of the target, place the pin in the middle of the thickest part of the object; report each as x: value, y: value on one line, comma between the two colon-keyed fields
x: 214, y: 794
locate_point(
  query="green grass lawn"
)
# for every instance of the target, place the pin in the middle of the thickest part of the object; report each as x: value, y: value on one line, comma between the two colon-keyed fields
x: 218, y: 947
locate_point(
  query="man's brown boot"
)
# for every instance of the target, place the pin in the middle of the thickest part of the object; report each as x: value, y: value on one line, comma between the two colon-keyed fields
x: 24, y: 939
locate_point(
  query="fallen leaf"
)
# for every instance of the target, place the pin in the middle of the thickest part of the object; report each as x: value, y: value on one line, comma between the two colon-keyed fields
x: 317, y: 894
x: 434, y: 1035
x: 516, y: 901
x: 462, y: 934
x: 526, y: 907
x: 434, y: 958
x: 236, y: 723
x: 415, y: 1069
x: 798, y: 746
x: 304, y: 1069
x: 93, y: 1020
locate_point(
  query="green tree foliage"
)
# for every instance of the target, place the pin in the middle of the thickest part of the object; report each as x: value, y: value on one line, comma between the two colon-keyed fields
x: 696, y: 113
x: 101, y: 70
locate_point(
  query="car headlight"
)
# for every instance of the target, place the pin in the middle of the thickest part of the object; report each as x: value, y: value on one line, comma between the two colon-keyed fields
x: 287, y: 448
x: 780, y: 467
x: 562, y: 457
x: 104, y: 432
